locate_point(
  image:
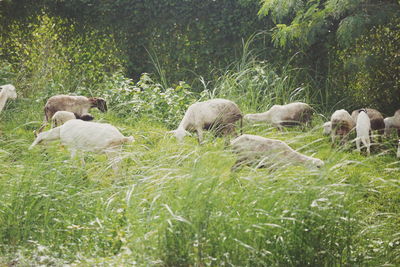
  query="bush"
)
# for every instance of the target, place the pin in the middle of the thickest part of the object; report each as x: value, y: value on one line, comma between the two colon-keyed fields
x: 51, y: 57
x: 147, y: 98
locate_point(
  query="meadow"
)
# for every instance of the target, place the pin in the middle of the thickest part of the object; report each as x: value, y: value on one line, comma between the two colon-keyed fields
x: 177, y: 204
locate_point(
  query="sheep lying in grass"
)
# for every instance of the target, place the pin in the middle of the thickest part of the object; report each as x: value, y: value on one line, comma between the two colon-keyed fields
x: 376, y: 118
x: 341, y: 123
x: 61, y: 117
x: 266, y: 151
x: 363, y: 128
x: 219, y: 115
x: 392, y: 123
x: 6, y: 92
x: 284, y: 115
x: 80, y: 135
x: 79, y: 105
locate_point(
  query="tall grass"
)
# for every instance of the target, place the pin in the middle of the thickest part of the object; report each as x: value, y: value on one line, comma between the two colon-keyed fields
x: 180, y: 205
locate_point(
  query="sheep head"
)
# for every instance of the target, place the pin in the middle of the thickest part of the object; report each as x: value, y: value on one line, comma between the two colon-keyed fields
x: 9, y: 91
x: 98, y: 102
x: 327, y: 128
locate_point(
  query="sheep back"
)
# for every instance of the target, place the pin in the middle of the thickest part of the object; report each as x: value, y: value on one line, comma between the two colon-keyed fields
x: 75, y: 104
x: 293, y: 113
x: 213, y: 114
x: 341, y: 122
x: 90, y: 136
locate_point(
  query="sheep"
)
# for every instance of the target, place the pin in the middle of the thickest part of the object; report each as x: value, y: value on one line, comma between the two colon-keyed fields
x: 253, y: 148
x: 363, y: 127
x: 376, y: 118
x: 392, y: 122
x: 61, y: 117
x: 283, y: 115
x: 341, y: 125
x: 218, y: 114
x: 327, y: 128
x: 79, y: 105
x: 80, y: 135
x: 7, y: 92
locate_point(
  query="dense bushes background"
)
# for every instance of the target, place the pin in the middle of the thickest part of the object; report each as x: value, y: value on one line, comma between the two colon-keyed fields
x: 343, y: 48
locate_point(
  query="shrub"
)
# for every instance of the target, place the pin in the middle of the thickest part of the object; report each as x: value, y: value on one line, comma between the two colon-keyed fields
x: 148, y: 98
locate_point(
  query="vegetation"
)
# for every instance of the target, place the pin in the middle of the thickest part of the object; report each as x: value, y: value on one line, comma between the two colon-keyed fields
x: 180, y: 204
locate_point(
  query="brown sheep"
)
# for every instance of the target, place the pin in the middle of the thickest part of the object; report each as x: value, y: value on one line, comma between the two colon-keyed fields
x: 79, y: 105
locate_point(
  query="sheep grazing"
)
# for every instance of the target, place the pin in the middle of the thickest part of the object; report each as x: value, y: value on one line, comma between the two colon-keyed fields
x: 215, y: 114
x: 61, y: 117
x: 363, y: 128
x: 376, y: 118
x: 266, y: 151
x: 341, y: 125
x: 80, y: 135
x: 392, y: 123
x: 79, y: 105
x: 327, y: 128
x: 284, y: 115
x: 6, y: 92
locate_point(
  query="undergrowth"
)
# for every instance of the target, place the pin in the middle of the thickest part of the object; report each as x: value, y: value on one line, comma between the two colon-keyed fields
x: 180, y: 204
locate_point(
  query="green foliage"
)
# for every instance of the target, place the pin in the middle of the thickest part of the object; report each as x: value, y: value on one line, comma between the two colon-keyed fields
x: 371, y: 68
x: 48, y: 56
x: 304, y: 23
x: 147, y: 98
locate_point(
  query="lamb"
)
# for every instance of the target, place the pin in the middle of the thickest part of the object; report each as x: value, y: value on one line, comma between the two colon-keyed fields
x: 392, y: 123
x: 61, y: 117
x: 253, y: 149
x: 284, y: 115
x: 7, y: 91
x: 80, y: 135
x: 363, y: 127
x: 79, y: 105
x: 376, y: 118
x: 217, y: 114
x: 341, y: 123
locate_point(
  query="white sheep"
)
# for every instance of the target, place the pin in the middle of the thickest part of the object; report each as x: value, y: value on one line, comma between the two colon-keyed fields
x: 79, y: 105
x: 80, y: 135
x: 376, y: 119
x: 283, y: 115
x: 363, y: 128
x: 253, y: 149
x: 215, y: 114
x: 327, y: 128
x: 392, y: 123
x: 342, y: 123
x: 7, y: 92
x: 61, y: 117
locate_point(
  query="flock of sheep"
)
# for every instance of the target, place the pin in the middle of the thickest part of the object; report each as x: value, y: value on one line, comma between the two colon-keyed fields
x: 71, y: 124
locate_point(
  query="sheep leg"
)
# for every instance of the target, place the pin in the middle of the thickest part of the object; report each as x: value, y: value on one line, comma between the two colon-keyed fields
x: 358, y: 144
x: 367, y: 144
x: 114, y: 159
x: 199, y: 135
x: 75, y: 154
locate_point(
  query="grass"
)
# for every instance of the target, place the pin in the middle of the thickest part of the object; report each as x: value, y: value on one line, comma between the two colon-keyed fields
x: 180, y: 205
